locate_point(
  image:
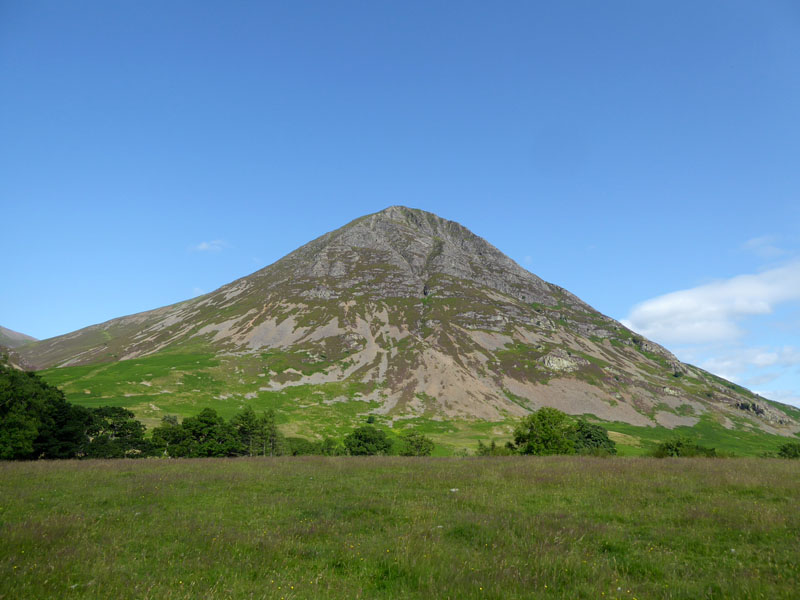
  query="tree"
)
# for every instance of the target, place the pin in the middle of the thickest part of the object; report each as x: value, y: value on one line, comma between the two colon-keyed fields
x: 589, y: 438
x: 544, y: 432
x: 115, y: 433
x: 273, y: 443
x: 168, y: 436
x: 206, y: 434
x: 790, y: 450
x: 413, y: 443
x: 36, y: 421
x: 682, y: 447
x: 249, y: 430
x: 63, y: 433
x: 213, y: 436
x: 22, y: 406
x: 367, y: 440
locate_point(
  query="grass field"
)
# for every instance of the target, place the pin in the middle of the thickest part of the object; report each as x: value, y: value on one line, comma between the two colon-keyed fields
x: 314, y: 527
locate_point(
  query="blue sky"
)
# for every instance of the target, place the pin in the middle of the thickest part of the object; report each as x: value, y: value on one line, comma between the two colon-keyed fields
x: 644, y: 155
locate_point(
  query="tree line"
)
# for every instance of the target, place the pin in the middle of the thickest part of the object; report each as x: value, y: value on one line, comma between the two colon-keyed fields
x: 249, y: 434
x: 549, y: 431
x: 36, y: 421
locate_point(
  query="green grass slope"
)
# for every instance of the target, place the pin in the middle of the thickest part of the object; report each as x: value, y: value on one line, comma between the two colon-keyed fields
x: 560, y: 527
x: 184, y: 384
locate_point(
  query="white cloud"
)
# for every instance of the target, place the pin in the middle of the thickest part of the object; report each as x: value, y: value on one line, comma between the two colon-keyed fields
x: 212, y: 246
x: 764, y: 247
x: 739, y: 360
x: 528, y: 260
x: 725, y: 327
x: 711, y: 312
x: 198, y: 291
x: 785, y: 396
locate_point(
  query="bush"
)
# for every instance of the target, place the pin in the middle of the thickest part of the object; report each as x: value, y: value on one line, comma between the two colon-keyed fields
x: 544, y: 432
x: 115, y: 433
x: 790, y: 450
x: 367, y: 440
x: 301, y: 446
x: 413, y: 443
x: 681, y: 447
x: 549, y: 431
x: 589, y: 438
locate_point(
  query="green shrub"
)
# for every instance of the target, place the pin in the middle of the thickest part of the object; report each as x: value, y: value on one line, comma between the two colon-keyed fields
x: 301, y: 446
x: 593, y: 439
x: 544, y: 432
x: 367, y: 440
x: 681, y: 447
x: 549, y: 431
x: 413, y: 443
x: 789, y: 450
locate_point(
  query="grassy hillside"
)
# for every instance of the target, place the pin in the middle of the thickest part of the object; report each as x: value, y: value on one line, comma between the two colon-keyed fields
x: 184, y: 384
x: 400, y: 528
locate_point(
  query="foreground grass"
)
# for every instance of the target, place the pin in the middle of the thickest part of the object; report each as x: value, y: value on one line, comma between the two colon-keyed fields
x: 561, y: 527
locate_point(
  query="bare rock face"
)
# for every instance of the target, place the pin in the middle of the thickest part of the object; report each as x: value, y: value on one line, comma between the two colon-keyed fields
x: 397, y: 253
x: 561, y: 361
x: 427, y: 318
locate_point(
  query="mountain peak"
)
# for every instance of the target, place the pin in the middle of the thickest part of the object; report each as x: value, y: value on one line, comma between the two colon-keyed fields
x: 406, y: 252
x: 421, y: 316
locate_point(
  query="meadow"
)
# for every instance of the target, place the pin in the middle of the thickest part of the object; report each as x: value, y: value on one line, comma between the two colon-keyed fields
x: 391, y: 527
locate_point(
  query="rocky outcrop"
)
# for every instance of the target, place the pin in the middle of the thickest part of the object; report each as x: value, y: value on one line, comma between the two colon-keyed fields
x: 562, y: 361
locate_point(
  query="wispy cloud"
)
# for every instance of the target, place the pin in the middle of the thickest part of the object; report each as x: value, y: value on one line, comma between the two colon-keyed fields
x: 212, y: 246
x: 785, y: 396
x: 738, y: 360
x: 712, y: 312
x: 729, y: 327
x: 764, y: 247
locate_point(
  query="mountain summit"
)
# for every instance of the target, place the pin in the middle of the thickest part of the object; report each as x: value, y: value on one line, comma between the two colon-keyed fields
x: 423, y: 318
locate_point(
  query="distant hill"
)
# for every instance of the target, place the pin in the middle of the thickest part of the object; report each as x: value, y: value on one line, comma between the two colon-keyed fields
x: 408, y: 316
x: 13, y: 339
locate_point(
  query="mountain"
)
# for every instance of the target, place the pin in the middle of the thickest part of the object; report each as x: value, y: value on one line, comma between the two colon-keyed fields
x: 13, y: 339
x: 412, y: 316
